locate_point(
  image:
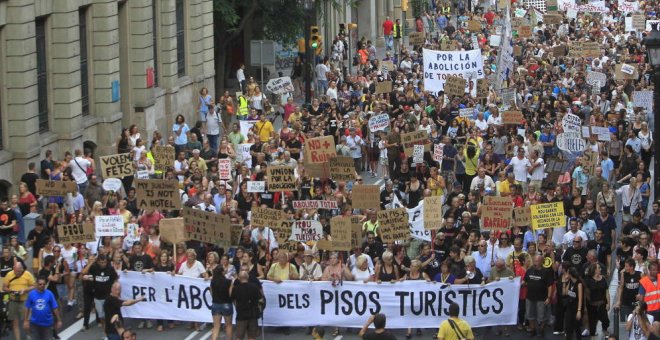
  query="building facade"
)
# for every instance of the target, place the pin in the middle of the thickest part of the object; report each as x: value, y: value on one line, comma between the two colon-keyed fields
x: 73, y: 73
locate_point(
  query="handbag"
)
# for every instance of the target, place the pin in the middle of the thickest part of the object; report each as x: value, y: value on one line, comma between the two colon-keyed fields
x: 87, y: 172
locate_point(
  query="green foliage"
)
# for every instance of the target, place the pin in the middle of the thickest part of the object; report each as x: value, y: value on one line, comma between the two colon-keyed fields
x: 418, y: 7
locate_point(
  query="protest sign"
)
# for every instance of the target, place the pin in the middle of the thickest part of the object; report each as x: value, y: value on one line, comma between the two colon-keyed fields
x: 76, y: 233
x: 418, y: 154
x: 204, y: 226
x: 643, y: 99
x: 387, y: 66
x: 551, y: 5
x: 224, y: 169
x: 356, y: 230
x: 383, y: 87
x: 586, y: 132
x: 306, y: 230
x: 620, y: 75
x: 508, y: 96
x: 320, y: 170
x: 594, y: 77
x: 314, y: 204
x: 591, y: 7
x: 236, y: 231
x: 142, y: 174
x: 512, y: 117
x: 517, y: 51
x: 163, y: 157
x: 366, y: 196
x: 447, y: 45
x: 559, y: 51
x: 439, y: 65
x: 416, y: 38
x: 495, y: 40
x: 475, y: 41
x: 410, y: 139
x: 496, y: 213
x: 320, y: 149
x: 393, y: 225
x: 482, y: 88
x: 281, y: 178
x: 525, y: 31
x: 548, y: 215
x: 256, y: 186
x: 589, y: 160
x: 263, y: 217
x: 454, y: 86
x: 639, y: 21
x: 552, y: 19
x: 522, y: 217
x: 603, y: 133
x: 172, y: 229
x: 627, y: 69
x: 109, y: 225
x: 282, y: 230
x: 571, y: 123
x: 243, y: 154
x: 467, y: 112
x: 432, y: 212
x: 341, y: 233
x: 438, y: 152
x: 189, y: 299
x: 157, y: 194
x: 133, y: 231
x: 474, y: 25
x: 111, y: 184
x: 246, y: 126
x: 584, y: 49
x: 342, y: 168
x: 55, y: 188
x: 280, y: 85
x: 116, y: 166
x: 379, y: 123
x: 571, y: 142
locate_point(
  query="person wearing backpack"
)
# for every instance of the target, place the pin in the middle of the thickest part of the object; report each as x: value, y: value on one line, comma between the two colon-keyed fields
x: 455, y: 328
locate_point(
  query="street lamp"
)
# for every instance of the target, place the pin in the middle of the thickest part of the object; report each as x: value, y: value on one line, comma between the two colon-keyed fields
x: 308, y: 7
x: 652, y: 42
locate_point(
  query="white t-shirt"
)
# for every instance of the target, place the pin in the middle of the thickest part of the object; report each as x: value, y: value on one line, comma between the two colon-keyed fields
x: 636, y: 330
x: 520, y: 168
x: 213, y: 121
x: 79, y: 172
x: 321, y: 70
x: 240, y: 75
x: 195, y: 271
x: 539, y: 171
x: 361, y: 276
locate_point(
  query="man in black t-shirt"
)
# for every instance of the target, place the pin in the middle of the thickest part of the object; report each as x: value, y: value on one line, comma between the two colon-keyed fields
x: 30, y: 179
x: 539, y: 286
x: 47, y: 165
x: 626, y: 293
x: 37, y: 238
x: 379, y: 333
x: 139, y: 261
x: 246, y: 297
x: 7, y: 222
x: 602, y: 248
x: 112, y: 310
x: 102, y: 276
x: 576, y: 255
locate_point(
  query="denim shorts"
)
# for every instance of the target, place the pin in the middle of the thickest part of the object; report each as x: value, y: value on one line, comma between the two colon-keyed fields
x: 224, y: 309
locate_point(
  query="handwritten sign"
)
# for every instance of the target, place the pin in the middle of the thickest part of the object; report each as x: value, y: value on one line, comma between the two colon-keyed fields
x: 496, y: 213
x: 559, y: 51
x: 416, y: 38
x: 110, y: 225
x: 256, y: 186
x: 224, y: 168
x: 157, y: 194
x: 280, y: 85
x: 643, y: 99
x: 282, y: 230
x: 314, y: 204
x: 619, y: 73
x: 410, y: 139
x: 571, y: 142
x: 387, y: 66
x: 639, y: 21
x: 594, y: 77
x: 341, y: 232
x: 432, y: 212
x: 116, y: 166
x: 76, y: 233
x: 356, y: 230
x: 206, y: 226
x: 474, y: 26
x: 262, y: 217
x: 320, y: 149
x: 142, y: 174
x: 438, y: 152
x: 512, y: 117
x: 172, y: 229
x: 525, y: 31
x: 163, y: 157
x: 454, y: 86
x: 394, y: 225
x: 306, y: 231
x: 571, y: 123
x: 281, y: 178
x: 522, y: 216
x: 585, y: 49
x: 55, y: 188
x: 418, y: 154
x: 548, y: 215
x: 383, y: 87
x: 342, y: 168
x: 379, y: 122
x: 552, y: 19
x: 366, y: 196
x: 482, y: 88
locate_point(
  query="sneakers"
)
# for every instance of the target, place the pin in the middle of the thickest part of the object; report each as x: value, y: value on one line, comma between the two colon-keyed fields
x: 141, y: 325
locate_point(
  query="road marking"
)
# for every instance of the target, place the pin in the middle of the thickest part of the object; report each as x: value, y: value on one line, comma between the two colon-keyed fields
x: 73, y: 329
x: 378, y: 182
x: 207, y: 335
x: 192, y: 335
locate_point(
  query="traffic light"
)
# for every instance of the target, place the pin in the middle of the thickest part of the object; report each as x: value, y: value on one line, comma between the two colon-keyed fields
x: 404, y: 5
x: 342, y: 29
x: 315, y: 40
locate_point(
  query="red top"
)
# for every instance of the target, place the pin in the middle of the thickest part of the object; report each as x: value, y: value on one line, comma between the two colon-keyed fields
x: 489, y: 17
x: 388, y: 26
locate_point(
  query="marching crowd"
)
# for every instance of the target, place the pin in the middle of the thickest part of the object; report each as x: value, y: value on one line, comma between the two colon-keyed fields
x: 566, y: 271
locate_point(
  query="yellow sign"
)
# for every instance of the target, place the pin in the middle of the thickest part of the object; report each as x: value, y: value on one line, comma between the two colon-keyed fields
x: 548, y: 215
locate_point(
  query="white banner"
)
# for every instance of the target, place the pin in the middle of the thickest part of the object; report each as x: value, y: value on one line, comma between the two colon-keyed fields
x: 438, y: 65
x: 303, y: 303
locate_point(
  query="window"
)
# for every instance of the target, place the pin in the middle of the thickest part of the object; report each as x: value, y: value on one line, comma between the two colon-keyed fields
x: 180, y: 39
x: 84, y: 70
x: 42, y: 73
x: 154, y: 30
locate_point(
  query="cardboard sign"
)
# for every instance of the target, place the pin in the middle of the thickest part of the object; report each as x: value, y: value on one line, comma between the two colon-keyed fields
x: 548, y: 215
x: 559, y: 51
x: 584, y: 49
x: 366, y: 196
x: 164, y: 156
x: 517, y: 22
x: 172, y: 229
x: 281, y: 178
x: 379, y: 123
x: 341, y: 233
x: 432, y: 212
x: 318, y: 170
x: 116, y: 166
x: 410, y: 139
x: 55, y: 188
x: 394, y: 225
x: 76, y: 233
x: 512, y: 117
x: 455, y: 86
x: 589, y: 161
x: 447, y: 45
x: 256, y: 186
x: 282, y: 230
x: 342, y: 168
x: 496, y: 213
x: 236, y: 232
x: 552, y: 19
x: 320, y: 149
x: 387, y: 66
x: 314, y: 204
x: 109, y: 225
x: 639, y: 21
x: 620, y: 75
x: 207, y: 227
x: 263, y: 217
x: 224, y: 169
x: 482, y: 88
x: 306, y: 231
x: 356, y: 230
x: 384, y: 87
x: 474, y: 25
x: 517, y: 51
x: 416, y: 38
x: 525, y: 31
x: 157, y: 194
x: 522, y: 217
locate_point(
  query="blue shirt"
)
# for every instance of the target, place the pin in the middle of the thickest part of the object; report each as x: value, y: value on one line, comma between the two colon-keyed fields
x: 547, y: 150
x: 608, y: 166
x: 42, y: 305
x: 181, y: 139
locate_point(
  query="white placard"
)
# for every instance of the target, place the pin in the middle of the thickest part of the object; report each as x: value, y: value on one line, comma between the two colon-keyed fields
x: 629, y: 25
x: 379, y: 123
x: 243, y: 154
x: 109, y: 225
x: 256, y: 186
x: 466, y: 112
x: 628, y: 69
x: 112, y: 184
x: 438, y: 152
x: 142, y: 174
x: 438, y: 65
x: 306, y: 230
x: 571, y: 141
x: 224, y: 168
x: 596, y: 77
x: 418, y: 154
x: 643, y: 99
x: 246, y: 126
x: 280, y: 85
x: 571, y: 123
x: 494, y: 40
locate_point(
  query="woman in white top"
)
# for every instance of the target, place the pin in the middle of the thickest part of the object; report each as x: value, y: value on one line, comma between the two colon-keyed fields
x: 69, y: 253
x: 639, y: 322
x: 133, y: 134
x: 646, y: 139
x: 255, y: 101
x: 361, y: 271
x: 504, y: 248
x: 192, y: 268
